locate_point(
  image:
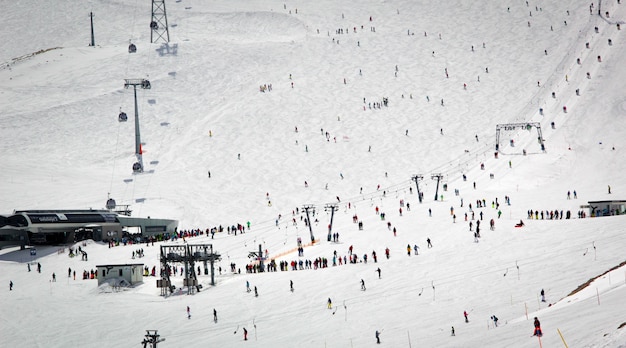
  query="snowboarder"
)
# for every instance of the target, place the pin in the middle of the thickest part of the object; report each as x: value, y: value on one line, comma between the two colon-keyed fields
x: 377, y: 336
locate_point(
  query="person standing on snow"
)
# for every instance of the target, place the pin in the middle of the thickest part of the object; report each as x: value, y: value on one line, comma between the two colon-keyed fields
x: 537, y: 331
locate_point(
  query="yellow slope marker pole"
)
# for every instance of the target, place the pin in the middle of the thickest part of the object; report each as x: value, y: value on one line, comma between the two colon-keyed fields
x: 562, y: 339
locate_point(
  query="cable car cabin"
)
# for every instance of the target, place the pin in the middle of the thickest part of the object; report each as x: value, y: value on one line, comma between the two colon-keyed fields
x: 122, y: 117
x: 137, y: 168
x: 132, y: 48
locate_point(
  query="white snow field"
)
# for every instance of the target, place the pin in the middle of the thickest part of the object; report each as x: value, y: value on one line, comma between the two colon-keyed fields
x: 330, y: 63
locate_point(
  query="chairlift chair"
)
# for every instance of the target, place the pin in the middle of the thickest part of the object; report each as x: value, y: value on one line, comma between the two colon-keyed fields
x: 132, y: 48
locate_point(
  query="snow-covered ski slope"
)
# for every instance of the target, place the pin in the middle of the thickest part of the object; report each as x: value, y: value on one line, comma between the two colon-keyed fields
x: 62, y: 146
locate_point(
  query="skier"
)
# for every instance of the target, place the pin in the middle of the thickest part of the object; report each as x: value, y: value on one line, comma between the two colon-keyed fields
x: 543, y: 296
x: 387, y: 252
x: 495, y: 320
x: 452, y: 331
x: 408, y: 249
x: 256, y: 293
x: 377, y: 336
x: 362, y: 284
x: 330, y: 304
x: 245, y: 334
x: 415, y: 248
x: 188, y: 313
x: 291, y: 285
x: 247, y: 286
x: 428, y: 242
x: 378, y: 270
x: 10, y: 285
x: 38, y: 267
x: 465, y: 315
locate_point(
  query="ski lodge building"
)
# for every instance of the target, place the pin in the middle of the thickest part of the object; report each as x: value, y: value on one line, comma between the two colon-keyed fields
x: 29, y: 227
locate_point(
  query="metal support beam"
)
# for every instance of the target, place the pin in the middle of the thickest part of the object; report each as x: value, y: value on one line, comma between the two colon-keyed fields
x: 438, y: 177
x: 332, y: 207
x: 306, y: 208
x: 417, y: 178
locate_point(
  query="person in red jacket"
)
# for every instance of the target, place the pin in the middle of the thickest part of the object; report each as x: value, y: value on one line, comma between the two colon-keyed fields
x: 537, y: 331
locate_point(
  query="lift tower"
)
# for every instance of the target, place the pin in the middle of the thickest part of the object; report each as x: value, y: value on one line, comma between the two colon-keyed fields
x: 158, y: 26
x: 144, y: 84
